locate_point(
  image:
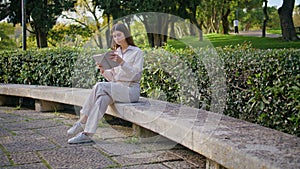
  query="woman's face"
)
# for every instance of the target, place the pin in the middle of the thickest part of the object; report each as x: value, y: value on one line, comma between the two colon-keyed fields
x: 119, y: 37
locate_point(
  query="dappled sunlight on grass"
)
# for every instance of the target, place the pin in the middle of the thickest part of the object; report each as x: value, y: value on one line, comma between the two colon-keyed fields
x: 220, y: 40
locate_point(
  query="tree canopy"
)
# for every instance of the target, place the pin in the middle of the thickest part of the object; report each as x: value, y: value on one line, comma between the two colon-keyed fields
x: 6, y: 30
x: 209, y: 16
x: 40, y: 14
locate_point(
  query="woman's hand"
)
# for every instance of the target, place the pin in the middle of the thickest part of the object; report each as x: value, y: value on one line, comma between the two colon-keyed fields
x: 115, y: 57
x: 99, y: 66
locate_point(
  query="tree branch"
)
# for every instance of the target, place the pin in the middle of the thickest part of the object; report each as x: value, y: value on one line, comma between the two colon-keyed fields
x: 76, y: 20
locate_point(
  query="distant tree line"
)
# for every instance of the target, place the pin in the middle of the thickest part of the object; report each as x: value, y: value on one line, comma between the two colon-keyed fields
x: 209, y: 16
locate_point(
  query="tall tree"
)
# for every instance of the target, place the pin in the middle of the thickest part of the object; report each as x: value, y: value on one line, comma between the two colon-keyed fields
x: 191, y: 8
x: 227, y: 9
x: 286, y: 20
x: 155, y: 24
x: 266, y: 18
x: 87, y: 14
x: 225, y: 12
x: 40, y: 14
x: 114, y: 9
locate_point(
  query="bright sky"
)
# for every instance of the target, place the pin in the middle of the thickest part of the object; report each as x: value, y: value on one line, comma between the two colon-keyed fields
x: 278, y: 3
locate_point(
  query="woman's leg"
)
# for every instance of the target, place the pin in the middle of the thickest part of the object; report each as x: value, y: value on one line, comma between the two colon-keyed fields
x: 96, y: 113
x: 106, y: 94
x: 87, y: 108
x: 93, y: 109
x: 95, y: 106
x: 90, y: 101
x: 102, y: 95
x: 83, y: 119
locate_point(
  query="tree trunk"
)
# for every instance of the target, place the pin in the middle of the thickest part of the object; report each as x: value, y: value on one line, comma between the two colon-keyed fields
x: 286, y: 20
x: 198, y: 26
x: 165, y: 26
x: 107, y: 33
x: 150, y: 39
x: 192, y: 31
x: 200, y: 35
x: 200, y: 31
x: 158, y: 40
x: 99, y: 37
x: 265, y: 19
x: 172, y: 30
x: 157, y: 29
x: 225, y: 22
x: 41, y: 38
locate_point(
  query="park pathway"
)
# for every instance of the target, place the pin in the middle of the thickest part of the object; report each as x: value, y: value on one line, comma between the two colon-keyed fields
x: 30, y: 139
x: 257, y: 33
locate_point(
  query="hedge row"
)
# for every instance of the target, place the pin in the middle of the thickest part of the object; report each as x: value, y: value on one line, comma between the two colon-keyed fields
x: 53, y: 67
x: 264, y: 86
x: 260, y: 86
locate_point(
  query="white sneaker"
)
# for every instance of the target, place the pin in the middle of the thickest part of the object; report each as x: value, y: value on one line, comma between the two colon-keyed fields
x: 80, y: 138
x: 77, y: 128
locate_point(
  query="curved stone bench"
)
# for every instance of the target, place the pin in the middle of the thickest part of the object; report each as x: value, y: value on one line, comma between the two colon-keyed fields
x: 226, y: 142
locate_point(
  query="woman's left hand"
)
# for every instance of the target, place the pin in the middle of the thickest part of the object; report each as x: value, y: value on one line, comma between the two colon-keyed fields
x: 100, y: 67
x: 115, y: 57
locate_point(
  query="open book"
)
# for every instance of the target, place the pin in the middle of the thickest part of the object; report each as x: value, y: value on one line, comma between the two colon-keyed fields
x: 103, y: 59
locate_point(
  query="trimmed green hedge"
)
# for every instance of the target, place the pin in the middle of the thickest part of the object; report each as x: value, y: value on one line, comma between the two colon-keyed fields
x: 53, y: 67
x: 262, y: 86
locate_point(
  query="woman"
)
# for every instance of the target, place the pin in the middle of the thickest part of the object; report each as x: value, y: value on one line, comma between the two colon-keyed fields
x: 123, y: 85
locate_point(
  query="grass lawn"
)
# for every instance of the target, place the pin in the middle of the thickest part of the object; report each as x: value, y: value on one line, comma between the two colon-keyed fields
x: 274, y: 31
x: 220, y: 40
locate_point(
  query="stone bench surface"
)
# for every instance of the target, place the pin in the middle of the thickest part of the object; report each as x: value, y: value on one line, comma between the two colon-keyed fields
x: 231, y: 142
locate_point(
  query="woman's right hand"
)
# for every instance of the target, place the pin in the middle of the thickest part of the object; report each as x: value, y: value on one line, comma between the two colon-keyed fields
x: 99, y: 66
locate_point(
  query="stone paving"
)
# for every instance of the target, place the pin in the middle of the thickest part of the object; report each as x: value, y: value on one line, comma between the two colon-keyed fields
x: 31, y: 139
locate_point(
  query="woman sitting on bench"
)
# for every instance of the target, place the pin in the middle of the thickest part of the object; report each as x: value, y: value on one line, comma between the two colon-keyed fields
x: 123, y: 85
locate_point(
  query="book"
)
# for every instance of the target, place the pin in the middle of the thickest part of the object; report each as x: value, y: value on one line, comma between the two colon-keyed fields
x: 105, y: 61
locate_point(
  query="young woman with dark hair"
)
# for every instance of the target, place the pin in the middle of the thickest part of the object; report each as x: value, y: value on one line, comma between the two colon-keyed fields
x: 123, y: 85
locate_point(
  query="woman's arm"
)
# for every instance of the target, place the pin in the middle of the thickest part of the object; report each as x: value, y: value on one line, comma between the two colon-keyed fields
x: 132, y: 70
x: 136, y: 66
x: 108, y: 74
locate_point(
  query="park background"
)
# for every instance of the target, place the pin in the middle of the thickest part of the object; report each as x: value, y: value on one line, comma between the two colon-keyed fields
x: 262, y: 73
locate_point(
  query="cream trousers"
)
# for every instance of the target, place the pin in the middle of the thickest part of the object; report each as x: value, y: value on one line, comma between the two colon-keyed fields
x: 104, y: 94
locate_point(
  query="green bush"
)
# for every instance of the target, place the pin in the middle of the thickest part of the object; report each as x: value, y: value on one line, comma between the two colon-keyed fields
x: 174, y: 76
x: 67, y: 67
x: 262, y: 86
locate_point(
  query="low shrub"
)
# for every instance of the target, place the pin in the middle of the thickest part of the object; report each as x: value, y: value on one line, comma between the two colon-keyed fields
x: 67, y: 67
x: 264, y: 86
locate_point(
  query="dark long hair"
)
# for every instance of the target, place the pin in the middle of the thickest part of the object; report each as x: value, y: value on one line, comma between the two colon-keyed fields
x: 122, y: 28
